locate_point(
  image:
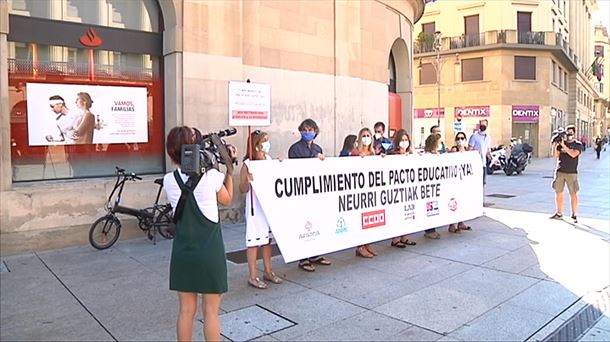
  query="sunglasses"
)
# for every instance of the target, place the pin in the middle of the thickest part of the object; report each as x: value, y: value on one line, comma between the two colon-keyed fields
x: 460, y: 139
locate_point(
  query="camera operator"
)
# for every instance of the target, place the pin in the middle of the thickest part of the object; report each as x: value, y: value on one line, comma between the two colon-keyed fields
x: 198, y: 262
x: 566, y: 151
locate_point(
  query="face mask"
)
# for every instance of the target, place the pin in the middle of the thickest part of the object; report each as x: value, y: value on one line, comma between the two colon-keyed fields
x: 461, y: 142
x: 266, y: 146
x: 366, y: 141
x: 308, y: 136
x: 482, y: 128
x: 378, y: 136
x: 404, y: 144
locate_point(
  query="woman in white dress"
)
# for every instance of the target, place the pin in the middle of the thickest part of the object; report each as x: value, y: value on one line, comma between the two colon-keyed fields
x: 258, y: 232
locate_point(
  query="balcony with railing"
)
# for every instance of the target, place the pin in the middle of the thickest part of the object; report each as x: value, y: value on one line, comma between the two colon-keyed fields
x: 556, y: 42
x: 23, y: 67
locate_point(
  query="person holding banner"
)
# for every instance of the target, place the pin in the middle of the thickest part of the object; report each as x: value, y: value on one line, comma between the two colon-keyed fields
x: 258, y: 232
x: 198, y: 262
x: 365, y: 148
x: 401, y: 146
x: 461, y: 145
x: 307, y: 148
x: 349, y: 144
x: 431, y: 146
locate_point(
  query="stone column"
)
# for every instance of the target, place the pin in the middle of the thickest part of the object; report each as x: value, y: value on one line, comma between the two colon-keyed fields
x: 6, y: 174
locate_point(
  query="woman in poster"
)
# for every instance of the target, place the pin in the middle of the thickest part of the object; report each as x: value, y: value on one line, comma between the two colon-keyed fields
x: 84, y: 124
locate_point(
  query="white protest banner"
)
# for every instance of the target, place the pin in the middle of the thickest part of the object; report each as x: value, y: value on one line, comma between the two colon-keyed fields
x: 103, y: 115
x: 249, y: 104
x: 317, y: 206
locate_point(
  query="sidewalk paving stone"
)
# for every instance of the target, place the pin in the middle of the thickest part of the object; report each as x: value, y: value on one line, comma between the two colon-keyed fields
x: 516, y: 274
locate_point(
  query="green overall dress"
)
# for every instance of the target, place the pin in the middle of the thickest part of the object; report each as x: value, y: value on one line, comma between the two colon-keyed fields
x: 198, y: 262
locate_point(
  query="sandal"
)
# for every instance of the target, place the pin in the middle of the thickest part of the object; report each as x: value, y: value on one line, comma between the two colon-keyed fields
x: 453, y: 229
x: 272, y: 278
x: 370, y: 250
x: 306, y: 266
x: 462, y: 226
x: 321, y: 261
x: 432, y: 235
x: 257, y: 283
x: 408, y: 242
x: 363, y: 252
x: 398, y: 244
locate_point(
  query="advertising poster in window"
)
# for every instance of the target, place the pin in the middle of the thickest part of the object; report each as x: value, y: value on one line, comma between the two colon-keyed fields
x: 70, y: 114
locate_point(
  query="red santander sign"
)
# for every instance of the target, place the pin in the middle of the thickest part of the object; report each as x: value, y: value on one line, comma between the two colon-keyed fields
x: 90, y: 39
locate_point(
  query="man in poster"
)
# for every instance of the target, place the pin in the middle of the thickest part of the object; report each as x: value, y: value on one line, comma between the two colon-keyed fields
x: 62, y: 130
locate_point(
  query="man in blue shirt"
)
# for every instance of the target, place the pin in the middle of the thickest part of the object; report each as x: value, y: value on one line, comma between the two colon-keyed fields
x: 306, y: 148
x: 481, y: 141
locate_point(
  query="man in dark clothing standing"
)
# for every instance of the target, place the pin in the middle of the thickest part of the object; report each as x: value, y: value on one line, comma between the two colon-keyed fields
x: 306, y: 148
x: 566, y: 152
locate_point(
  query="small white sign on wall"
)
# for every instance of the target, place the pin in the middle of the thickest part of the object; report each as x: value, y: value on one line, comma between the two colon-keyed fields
x: 249, y: 104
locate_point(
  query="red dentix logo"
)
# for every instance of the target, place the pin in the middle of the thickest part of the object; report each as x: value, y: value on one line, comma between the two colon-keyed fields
x: 91, y: 39
x: 373, y: 219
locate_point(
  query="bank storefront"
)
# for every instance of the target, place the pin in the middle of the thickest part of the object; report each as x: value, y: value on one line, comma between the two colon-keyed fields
x: 87, y: 85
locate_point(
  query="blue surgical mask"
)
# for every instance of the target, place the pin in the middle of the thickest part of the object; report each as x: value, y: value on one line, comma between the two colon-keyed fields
x: 308, y: 136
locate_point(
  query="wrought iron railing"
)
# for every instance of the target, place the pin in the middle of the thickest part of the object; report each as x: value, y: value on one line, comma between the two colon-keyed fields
x: 27, y: 66
x: 501, y: 37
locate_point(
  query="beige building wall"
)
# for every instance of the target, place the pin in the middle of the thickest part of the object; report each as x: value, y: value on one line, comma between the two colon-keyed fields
x: 565, y: 40
x: 324, y: 59
x: 602, y: 112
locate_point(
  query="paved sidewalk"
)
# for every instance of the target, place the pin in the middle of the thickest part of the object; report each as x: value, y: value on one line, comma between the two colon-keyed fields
x: 516, y: 276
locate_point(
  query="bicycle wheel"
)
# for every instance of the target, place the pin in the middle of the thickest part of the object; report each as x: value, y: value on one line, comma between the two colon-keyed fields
x: 163, y: 222
x: 104, y: 232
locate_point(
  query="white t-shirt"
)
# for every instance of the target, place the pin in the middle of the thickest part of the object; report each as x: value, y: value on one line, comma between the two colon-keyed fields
x: 205, y: 193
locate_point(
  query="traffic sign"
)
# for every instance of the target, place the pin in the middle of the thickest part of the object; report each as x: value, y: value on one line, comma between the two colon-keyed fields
x: 458, y: 116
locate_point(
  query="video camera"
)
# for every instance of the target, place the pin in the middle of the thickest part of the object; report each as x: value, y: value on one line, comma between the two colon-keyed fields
x: 209, y: 151
x: 559, y: 135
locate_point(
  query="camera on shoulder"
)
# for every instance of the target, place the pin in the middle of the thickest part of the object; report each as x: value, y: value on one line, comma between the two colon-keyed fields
x: 207, y: 153
x: 559, y: 135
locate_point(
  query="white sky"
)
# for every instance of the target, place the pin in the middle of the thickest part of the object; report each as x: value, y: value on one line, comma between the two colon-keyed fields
x: 603, y: 13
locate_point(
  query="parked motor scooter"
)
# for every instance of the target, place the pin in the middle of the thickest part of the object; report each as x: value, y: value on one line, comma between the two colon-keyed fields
x: 497, y: 160
x: 520, y: 156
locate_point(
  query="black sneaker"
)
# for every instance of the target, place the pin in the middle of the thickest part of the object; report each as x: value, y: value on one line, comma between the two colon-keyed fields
x: 556, y: 216
x: 574, y: 218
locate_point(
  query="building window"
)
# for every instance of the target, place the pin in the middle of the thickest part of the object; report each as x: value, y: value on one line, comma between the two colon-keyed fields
x: 525, y: 68
x: 472, y: 69
x: 429, y: 28
x: 565, y: 80
x: 471, y: 30
x: 554, y: 72
x: 110, y: 97
x: 599, y: 51
x: 140, y: 15
x: 427, y: 74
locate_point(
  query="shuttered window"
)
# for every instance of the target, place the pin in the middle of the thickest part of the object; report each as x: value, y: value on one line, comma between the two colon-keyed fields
x: 525, y: 68
x: 472, y: 69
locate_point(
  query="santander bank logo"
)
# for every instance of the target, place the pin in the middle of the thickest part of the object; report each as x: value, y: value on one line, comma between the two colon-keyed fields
x: 90, y: 39
x: 373, y: 219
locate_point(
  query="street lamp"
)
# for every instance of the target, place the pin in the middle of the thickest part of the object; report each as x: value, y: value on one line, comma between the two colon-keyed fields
x: 437, y: 63
x: 437, y: 66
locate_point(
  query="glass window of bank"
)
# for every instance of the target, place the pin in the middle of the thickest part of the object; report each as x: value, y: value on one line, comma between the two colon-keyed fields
x: 89, y: 97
